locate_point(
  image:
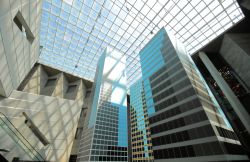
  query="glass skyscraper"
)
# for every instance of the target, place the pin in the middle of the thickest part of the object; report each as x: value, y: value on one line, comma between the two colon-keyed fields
x: 140, y: 132
x: 105, y: 134
x: 185, y: 120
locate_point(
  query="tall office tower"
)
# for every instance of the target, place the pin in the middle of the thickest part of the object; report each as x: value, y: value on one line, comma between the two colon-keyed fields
x: 140, y: 131
x: 185, y: 121
x: 105, y: 133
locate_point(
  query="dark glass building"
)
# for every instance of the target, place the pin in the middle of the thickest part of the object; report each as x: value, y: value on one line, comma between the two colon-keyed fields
x: 185, y: 120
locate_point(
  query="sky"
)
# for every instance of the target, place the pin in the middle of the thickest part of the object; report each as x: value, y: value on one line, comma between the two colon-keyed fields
x: 74, y: 33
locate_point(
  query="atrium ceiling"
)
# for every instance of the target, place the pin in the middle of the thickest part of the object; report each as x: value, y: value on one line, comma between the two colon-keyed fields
x: 74, y: 33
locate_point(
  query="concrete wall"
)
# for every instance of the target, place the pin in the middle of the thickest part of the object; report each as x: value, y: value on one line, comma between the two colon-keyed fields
x: 52, y: 107
x: 36, y: 83
x: 34, y: 79
x: 17, y: 54
x: 56, y: 118
x: 235, y: 50
x: 59, y: 88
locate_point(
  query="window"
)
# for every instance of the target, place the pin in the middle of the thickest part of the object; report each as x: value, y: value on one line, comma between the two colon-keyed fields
x: 78, y: 133
x: 51, y: 82
x: 22, y: 25
x: 35, y: 130
x: 71, y: 88
x: 88, y: 93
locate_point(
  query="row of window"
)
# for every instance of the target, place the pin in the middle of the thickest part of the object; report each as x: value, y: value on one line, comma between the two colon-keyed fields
x: 146, y: 160
x: 140, y: 144
x: 168, y: 50
x: 111, y: 122
x: 108, y: 110
x: 165, y: 53
x: 139, y: 133
x: 138, y: 139
x: 180, y: 122
x: 197, y: 85
x: 203, y: 94
x: 196, y: 80
x: 141, y: 114
x: 216, y: 118
x: 171, y: 70
x: 234, y: 149
x: 199, y: 132
x: 108, y: 132
x: 142, y: 155
x: 104, y: 142
x: 108, y: 158
x: 103, y: 128
x: 143, y: 148
x: 176, y: 76
x: 171, y: 90
x: 151, y: 47
x: 105, y: 103
x: 187, y: 93
x: 205, y: 149
x: 113, y: 138
x: 194, y: 77
x: 170, y: 63
x: 209, y: 106
x: 135, y: 113
x: 105, y: 147
x: 102, y: 152
x: 175, y: 110
x: 107, y: 115
x: 227, y: 133
x: 156, y: 74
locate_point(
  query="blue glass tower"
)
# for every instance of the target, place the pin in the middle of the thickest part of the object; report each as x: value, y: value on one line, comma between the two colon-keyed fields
x: 151, y: 60
x: 105, y: 133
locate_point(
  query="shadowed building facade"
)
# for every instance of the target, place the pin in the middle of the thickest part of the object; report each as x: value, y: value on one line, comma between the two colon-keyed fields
x: 185, y: 120
x: 105, y: 131
x: 39, y: 121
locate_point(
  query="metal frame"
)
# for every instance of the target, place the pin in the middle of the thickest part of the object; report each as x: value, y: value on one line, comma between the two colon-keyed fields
x: 74, y: 33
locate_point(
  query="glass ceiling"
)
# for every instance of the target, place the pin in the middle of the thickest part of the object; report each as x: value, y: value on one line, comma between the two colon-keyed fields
x: 74, y: 33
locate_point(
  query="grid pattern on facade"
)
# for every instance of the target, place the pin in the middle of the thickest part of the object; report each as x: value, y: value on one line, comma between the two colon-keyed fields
x: 74, y: 33
x: 105, y: 141
x: 140, y: 131
x: 186, y: 114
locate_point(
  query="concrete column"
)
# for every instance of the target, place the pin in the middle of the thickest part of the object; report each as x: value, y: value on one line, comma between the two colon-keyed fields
x: 233, y: 100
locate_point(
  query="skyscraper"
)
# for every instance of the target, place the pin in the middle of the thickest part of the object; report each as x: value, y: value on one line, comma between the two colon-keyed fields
x: 185, y: 120
x: 140, y: 132
x: 105, y: 132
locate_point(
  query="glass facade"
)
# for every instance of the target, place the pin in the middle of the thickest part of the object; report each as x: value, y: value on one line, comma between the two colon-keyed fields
x: 185, y: 120
x: 151, y: 60
x: 106, y: 130
x: 74, y: 33
x: 140, y: 132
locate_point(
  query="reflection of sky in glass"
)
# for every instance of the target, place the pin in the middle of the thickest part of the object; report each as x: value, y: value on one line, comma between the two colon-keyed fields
x: 150, y: 63
x: 122, y: 127
x: 74, y: 33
